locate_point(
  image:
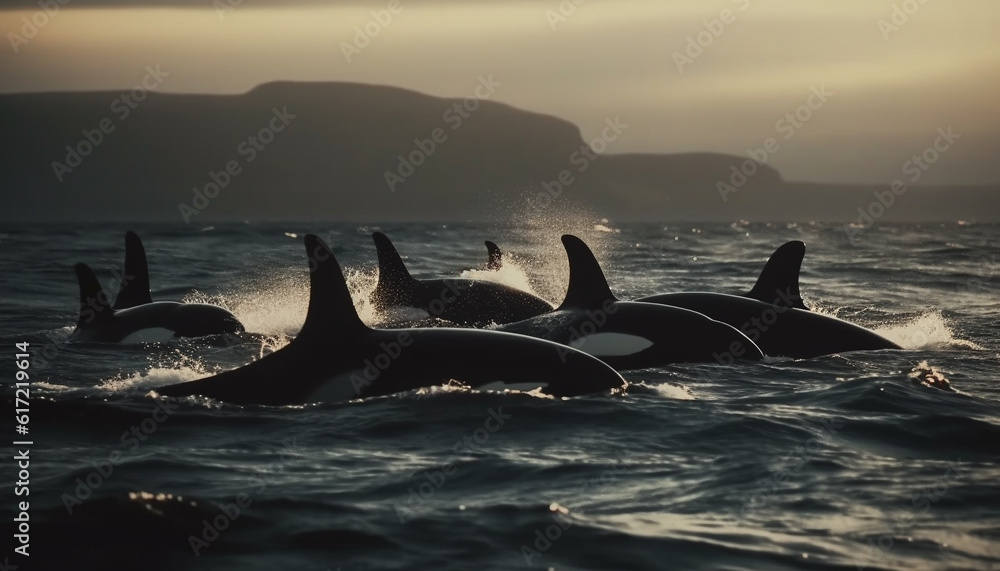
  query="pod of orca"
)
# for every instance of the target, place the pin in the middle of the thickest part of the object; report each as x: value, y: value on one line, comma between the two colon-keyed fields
x: 500, y: 338
x: 370, y: 362
x: 625, y: 334
x: 135, y: 317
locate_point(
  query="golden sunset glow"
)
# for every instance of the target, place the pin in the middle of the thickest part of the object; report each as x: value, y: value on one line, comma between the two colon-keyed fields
x: 893, y: 84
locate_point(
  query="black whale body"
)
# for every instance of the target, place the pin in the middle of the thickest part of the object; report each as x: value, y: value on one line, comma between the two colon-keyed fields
x: 774, y: 316
x: 630, y: 335
x: 465, y: 302
x: 336, y: 357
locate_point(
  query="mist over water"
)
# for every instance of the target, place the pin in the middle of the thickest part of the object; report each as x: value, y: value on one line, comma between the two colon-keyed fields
x: 839, y: 462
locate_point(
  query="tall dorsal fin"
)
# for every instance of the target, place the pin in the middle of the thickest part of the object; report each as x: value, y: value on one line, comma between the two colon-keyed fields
x: 331, y: 311
x: 134, y: 288
x: 95, y: 308
x: 780, y: 277
x: 587, y: 285
x: 496, y: 256
x: 393, y: 278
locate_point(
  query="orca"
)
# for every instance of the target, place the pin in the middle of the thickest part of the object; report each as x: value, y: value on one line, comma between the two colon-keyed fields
x: 99, y: 322
x: 630, y: 335
x: 774, y: 316
x: 336, y: 357
x: 464, y: 302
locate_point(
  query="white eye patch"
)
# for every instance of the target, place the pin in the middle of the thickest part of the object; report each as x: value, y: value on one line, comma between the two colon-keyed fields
x: 611, y: 344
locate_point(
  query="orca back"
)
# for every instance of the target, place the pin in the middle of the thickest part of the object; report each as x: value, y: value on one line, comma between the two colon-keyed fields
x: 780, y: 331
x: 464, y: 302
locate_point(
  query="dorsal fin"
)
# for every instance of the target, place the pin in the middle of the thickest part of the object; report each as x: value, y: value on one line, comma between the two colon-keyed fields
x: 394, y: 281
x: 780, y: 277
x: 134, y: 288
x: 496, y: 256
x: 331, y: 311
x: 94, y: 306
x: 390, y: 264
x: 587, y: 285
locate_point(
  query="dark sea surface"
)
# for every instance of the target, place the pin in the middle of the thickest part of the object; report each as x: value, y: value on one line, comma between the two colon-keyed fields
x: 839, y: 462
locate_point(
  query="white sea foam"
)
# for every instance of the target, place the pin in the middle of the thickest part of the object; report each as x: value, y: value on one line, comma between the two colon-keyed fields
x: 275, y: 303
x: 927, y: 331
x: 512, y: 273
x: 674, y: 391
x: 155, y: 377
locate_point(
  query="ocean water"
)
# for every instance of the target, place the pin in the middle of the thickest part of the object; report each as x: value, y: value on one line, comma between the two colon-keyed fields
x: 848, y: 461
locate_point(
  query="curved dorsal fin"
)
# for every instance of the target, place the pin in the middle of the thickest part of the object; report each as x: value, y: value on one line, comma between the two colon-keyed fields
x: 94, y: 306
x: 393, y: 278
x: 496, y: 257
x: 587, y: 285
x: 331, y: 311
x: 780, y: 277
x: 134, y: 288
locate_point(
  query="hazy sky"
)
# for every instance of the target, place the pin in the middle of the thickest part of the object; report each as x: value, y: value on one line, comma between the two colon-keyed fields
x: 892, y: 88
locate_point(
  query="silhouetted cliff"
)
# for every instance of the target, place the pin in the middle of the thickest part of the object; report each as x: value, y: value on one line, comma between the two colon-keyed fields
x: 345, y: 151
